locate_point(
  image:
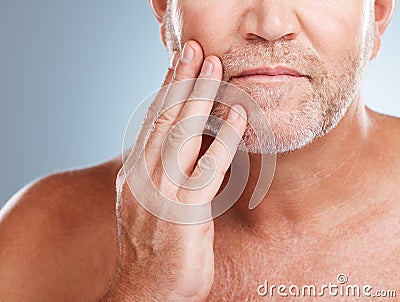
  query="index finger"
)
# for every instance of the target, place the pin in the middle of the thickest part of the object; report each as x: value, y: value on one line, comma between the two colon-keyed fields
x: 151, y: 113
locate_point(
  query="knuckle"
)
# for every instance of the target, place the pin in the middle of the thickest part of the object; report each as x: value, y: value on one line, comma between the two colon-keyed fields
x: 214, y: 163
x: 181, y: 73
x: 207, y: 162
x: 164, y: 121
x: 217, y: 156
x: 199, y: 93
x: 152, y: 111
x: 178, y: 133
x: 181, y: 196
x: 167, y: 115
x: 204, y: 89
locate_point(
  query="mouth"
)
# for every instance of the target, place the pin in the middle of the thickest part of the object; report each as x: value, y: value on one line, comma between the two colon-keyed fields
x: 278, y: 74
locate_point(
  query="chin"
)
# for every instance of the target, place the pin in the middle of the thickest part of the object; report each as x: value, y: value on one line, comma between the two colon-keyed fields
x: 281, y: 119
x: 272, y: 132
x: 290, y: 131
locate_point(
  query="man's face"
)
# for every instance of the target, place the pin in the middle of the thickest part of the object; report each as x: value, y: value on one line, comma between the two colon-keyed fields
x: 328, y: 42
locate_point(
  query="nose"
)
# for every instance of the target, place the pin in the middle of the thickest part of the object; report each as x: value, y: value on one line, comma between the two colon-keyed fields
x: 270, y: 20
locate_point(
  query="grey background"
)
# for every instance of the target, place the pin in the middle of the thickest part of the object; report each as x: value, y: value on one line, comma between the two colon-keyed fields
x: 71, y: 72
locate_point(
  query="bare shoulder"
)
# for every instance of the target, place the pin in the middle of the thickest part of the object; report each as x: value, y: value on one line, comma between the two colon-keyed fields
x: 387, y: 125
x: 389, y: 142
x: 386, y: 138
x: 58, y: 236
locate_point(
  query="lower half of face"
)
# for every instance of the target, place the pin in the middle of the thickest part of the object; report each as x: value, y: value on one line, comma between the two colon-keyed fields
x: 286, y: 113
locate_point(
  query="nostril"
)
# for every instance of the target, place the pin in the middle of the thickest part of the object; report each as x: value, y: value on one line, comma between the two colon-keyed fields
x: 251, y: 36
x: 290, y: 36
x: 270, y: 21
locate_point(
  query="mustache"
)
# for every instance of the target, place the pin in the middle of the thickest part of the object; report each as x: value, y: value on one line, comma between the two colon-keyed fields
x: 257, y: 54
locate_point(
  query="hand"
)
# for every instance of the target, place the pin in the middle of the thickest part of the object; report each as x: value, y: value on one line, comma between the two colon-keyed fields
x: 160, y: 260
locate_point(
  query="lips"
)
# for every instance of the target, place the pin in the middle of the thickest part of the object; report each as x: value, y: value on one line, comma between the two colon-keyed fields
x: 277, y: 71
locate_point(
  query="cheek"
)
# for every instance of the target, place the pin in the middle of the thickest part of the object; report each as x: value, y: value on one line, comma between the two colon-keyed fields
x: 213, y: 23
x: 332, y: 27
x: 337, y: 29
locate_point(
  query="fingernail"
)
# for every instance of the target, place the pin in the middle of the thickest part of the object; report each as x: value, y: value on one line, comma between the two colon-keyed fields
x: 206, y: 69
x: 174, y: 59
x: 234, y: 114
x: 188, y: 53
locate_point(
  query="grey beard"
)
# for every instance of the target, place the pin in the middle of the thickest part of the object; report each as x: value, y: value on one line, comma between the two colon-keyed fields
x: 272, y: 128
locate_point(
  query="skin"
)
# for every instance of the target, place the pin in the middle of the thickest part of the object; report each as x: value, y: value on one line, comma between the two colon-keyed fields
x: 332, y: 207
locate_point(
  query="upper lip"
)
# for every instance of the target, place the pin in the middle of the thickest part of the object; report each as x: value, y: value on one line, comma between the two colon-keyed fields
x: 271, y: 71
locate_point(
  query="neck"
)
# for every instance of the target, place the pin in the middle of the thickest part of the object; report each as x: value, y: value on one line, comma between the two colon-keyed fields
x: 315, y: 187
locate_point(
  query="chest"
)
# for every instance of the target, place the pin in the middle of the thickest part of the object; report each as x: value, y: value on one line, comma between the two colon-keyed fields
x: 243, y: 265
